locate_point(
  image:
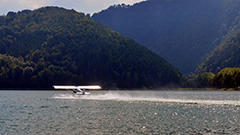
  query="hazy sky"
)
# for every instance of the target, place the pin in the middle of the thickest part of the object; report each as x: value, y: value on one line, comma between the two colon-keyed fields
x: 86, y: 6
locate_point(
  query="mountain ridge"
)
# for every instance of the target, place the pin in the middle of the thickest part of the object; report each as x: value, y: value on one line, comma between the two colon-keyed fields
x: 53, y: 45
x: 183, y: 32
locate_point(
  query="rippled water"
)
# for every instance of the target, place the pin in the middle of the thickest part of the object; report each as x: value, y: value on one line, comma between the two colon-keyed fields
x: 120, y: 112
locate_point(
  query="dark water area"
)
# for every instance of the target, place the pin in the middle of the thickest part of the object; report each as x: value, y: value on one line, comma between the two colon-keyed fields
x: 120, y: 112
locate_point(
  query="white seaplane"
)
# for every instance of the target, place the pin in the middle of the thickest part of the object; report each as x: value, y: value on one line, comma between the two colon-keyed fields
x: 79, y: 90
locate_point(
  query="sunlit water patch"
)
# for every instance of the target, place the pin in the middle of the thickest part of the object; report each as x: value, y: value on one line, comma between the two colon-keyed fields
x: 119, y: 112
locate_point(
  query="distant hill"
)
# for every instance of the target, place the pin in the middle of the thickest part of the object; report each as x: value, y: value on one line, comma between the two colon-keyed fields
x: 183, y: 32
x: 226, y: 55
x: 53, y: 45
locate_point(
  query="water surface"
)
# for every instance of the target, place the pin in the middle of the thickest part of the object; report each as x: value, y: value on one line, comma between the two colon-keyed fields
x: 120, y: 112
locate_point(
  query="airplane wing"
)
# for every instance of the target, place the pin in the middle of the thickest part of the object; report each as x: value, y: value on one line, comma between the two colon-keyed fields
x: 89, y: 87
x: 64, y: 87
x: 75, y: 87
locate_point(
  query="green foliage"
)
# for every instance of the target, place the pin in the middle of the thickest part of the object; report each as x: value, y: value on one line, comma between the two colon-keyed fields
x: 57, y: 46
x: 203, y: 80
x: 183, y: 32
x: 227, y: 78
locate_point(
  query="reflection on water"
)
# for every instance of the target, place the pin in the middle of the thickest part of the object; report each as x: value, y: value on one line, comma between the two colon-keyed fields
x: 120, y: 112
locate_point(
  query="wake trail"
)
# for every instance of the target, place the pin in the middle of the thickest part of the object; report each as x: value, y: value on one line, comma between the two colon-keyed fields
x: 128, y: 97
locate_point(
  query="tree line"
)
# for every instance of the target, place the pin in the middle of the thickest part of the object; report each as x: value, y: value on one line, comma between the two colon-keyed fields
x: 225, y: 78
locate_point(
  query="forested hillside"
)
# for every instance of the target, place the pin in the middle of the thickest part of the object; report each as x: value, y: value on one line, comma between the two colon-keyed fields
x: 183, y: 32
x: 57, y: 46
x: 227, y: 55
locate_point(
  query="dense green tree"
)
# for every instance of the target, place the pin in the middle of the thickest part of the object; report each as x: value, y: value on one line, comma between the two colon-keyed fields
x: 204, y: 79
x: 236, y: 80
x: 227, y: 78
x: 218, y: 80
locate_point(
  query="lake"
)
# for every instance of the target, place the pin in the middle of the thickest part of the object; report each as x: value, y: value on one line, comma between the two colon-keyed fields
x: 120, y: 112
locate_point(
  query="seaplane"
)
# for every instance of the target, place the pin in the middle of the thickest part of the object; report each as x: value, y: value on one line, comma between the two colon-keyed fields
x: 78, y: 90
